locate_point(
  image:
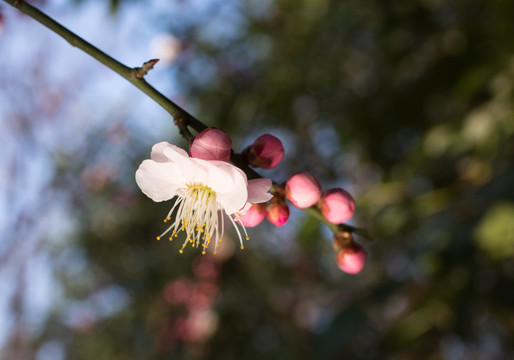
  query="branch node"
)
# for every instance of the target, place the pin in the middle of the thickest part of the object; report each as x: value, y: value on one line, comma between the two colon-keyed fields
x: 181, y: 122
x: 342, y: 239
x: 140, y: 72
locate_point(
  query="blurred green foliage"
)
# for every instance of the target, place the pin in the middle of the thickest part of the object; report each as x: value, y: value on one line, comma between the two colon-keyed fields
x: 409, y: 104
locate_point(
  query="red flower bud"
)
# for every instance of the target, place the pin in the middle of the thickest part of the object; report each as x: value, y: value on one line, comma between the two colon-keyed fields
x: 278, y: 212
x: 211, y: 144
x: 351, y: 259
x: 266, y: 152
x: 254, y: 215
x: 337, y: 206
x: 303, y: 190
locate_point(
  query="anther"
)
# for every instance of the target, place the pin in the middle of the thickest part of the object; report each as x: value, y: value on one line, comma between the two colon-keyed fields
x: 158, y: 237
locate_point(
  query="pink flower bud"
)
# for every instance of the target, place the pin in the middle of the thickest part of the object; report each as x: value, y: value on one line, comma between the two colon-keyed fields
x: 278, y: 212
x: 351, y: 259
x: 303, y: 190
x: 337, y: 206
x: 211, y: 144
x: 266, y: 152
x: 254, y: 215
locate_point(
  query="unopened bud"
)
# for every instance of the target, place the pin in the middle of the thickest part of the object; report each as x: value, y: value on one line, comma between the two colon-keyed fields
x: 303, y: 190
x: 266, y: 152
x: 278, y: 212
x: 351, y: 259
x: 337, y: 206
x: 254, y: 215
x: 211, y: 144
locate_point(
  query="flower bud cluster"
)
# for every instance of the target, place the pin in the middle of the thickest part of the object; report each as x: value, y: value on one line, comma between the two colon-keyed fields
x: 276, y: 211
x: 302, y: 190
x: 337, y: 206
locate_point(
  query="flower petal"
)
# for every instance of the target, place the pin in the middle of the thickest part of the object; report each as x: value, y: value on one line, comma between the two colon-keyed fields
x: 193, y: 170
x: 230, y: 184
x: 159, y: 181
x: 158, y: 151
x: 222, y: 175
x: 258, y: 190
x: 245, y: 208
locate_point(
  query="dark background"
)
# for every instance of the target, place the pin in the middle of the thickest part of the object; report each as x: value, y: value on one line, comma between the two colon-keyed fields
x: 407, y: 104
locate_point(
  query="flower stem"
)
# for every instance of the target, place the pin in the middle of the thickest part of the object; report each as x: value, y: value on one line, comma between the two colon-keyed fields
x: 314, y: 211
x: 182, y: 118
x: 131, y: 74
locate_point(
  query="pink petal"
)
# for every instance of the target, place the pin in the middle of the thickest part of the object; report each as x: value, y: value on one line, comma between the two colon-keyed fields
x: 258, y: 190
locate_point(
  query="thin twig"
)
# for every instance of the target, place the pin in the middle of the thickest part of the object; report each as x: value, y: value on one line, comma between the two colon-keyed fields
x: 134, y: 75
x: 182, y: 118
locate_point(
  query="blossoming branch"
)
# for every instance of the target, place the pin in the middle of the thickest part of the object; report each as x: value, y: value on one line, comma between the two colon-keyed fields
x: 207, y: 186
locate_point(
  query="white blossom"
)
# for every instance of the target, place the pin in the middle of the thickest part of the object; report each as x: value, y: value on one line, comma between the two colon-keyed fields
x: 205, y: 189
